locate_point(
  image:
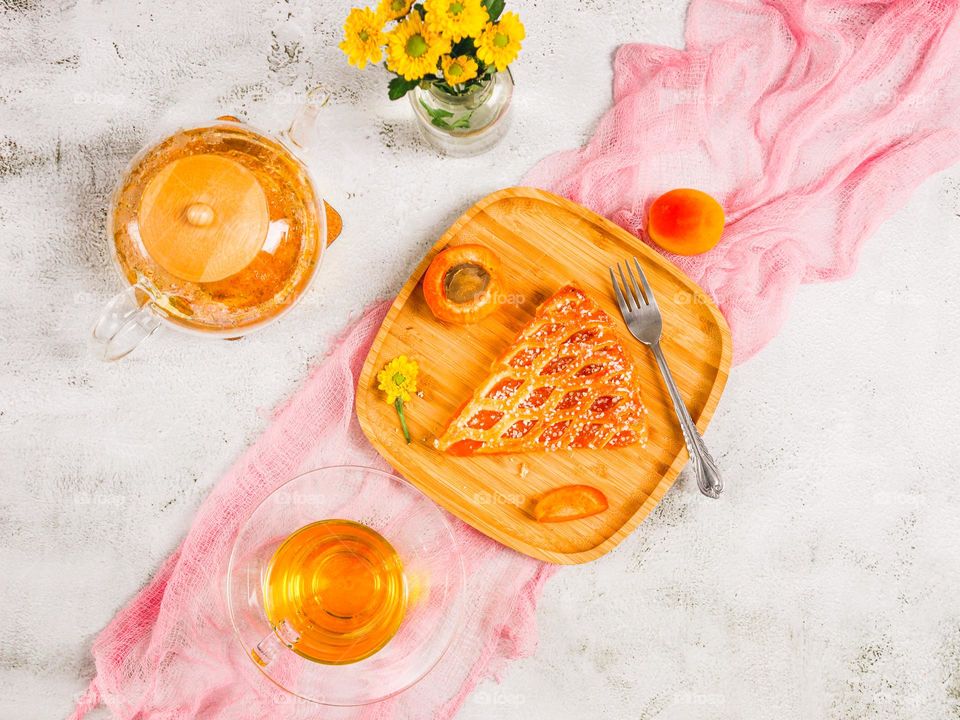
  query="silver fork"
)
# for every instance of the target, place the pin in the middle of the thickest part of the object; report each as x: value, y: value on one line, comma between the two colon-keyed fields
x: 642, y: 316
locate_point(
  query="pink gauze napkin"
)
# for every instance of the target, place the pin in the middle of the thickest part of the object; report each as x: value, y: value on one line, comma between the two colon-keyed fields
x: 171, y: 654
x: 811, y: 123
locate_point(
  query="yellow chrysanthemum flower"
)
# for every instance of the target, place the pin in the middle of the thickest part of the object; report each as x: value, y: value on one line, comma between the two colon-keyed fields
x: 398, y: 379
x: 393, y: 9
x: 363, y: 37
x: 413, y: 49
x: 456, y: 19
x: 458, y: 70
x: 499, y: 43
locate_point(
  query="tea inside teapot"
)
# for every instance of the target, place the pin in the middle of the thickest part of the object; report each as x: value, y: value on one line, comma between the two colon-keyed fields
x: 220, y: 225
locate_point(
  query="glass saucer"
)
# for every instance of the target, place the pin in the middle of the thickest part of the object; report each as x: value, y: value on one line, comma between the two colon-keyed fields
x: 432, y: 566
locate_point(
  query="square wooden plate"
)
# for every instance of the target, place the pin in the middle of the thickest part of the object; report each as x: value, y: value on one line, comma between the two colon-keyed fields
x: 544, y: 242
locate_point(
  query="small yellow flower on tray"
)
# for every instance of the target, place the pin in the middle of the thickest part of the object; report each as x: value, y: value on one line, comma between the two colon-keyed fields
x: 458, y: 70
x: 393, y: 9
x: 499, y: 43
x: 398, y: 380
x: 456, y: 19
x: 413, y: 49
x: 363, y: 37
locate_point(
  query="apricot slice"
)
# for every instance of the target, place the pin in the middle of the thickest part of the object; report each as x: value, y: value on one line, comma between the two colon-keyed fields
x: 685, y: 221
x: 570, y: 502
x: 463, y: 284
x: 463, y: 448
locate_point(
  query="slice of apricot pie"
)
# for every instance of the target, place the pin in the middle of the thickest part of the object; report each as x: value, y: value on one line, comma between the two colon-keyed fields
x: 565, y: 382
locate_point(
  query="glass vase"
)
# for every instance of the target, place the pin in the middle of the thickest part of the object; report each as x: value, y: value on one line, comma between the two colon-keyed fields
x: 464, y: 124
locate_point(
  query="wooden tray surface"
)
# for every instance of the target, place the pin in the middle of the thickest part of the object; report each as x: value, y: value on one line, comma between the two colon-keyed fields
x: 544, y: 242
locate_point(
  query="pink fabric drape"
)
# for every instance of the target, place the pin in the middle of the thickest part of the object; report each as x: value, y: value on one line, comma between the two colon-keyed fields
x: 171, y: 655
x: 811, y: 121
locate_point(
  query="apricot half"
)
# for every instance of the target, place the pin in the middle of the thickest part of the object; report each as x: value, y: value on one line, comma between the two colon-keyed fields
x: 463, y: 284
x: 685, y: 221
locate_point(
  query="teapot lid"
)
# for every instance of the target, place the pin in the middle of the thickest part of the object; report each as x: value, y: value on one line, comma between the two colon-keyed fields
x: 203, y: 217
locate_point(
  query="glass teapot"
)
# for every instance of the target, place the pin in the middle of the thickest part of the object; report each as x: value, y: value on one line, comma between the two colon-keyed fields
x: 218, y: 230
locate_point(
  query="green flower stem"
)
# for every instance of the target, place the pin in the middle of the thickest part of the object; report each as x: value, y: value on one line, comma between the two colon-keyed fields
x: 398, y: 404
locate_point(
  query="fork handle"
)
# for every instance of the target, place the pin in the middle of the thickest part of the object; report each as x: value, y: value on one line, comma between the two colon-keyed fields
x: 708, y: 476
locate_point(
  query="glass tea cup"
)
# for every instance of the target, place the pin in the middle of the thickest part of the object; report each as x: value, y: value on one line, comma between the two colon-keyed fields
x: 382, y: 506
x: 217, y: 229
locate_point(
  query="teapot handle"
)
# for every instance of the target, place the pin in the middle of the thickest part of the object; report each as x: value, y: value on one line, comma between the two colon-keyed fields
x: 334, y: 223
x: 126, y: 321
x: 303, y: 135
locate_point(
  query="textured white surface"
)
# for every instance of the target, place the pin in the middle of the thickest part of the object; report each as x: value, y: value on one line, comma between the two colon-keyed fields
x: 822, y: 585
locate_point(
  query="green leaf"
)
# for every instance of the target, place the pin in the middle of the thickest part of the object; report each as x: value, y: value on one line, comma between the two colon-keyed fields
x: 463, y: 123
x: 463, y: 47
x: 494, y: 8
x: 435, y: 113
x: 400, y: 86
x: 438, y: 117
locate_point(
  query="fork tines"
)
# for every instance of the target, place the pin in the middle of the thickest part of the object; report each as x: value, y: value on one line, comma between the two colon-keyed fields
x: 632, y: 296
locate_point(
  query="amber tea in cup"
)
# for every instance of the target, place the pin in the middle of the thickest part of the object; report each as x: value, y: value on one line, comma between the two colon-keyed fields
x: 348, y: 611
x: 338, y: 588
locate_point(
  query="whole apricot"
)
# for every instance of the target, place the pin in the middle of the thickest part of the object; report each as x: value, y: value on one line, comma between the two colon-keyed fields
x: 685, y: 221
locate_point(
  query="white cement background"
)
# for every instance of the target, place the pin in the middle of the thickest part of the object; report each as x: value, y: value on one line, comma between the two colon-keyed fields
x: 823, y: 585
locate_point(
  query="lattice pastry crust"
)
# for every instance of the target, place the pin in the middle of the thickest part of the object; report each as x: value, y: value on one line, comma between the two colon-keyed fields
x: 565, y: 382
